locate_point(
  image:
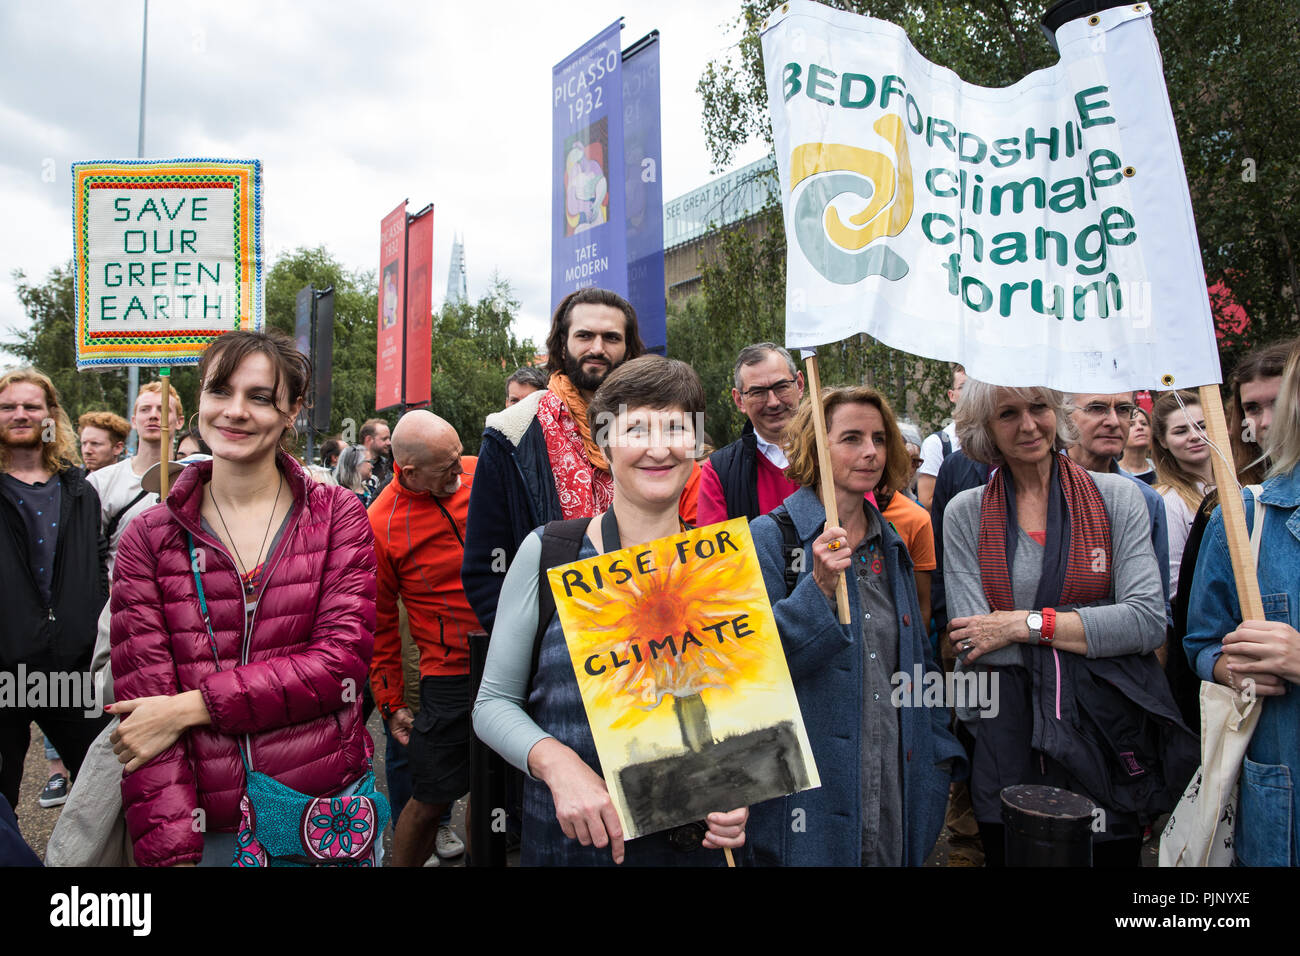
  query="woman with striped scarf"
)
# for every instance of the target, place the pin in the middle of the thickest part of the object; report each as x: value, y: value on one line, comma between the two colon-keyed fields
x: 1055, y: 596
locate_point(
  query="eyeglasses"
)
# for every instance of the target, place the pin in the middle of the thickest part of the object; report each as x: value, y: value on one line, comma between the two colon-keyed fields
x: 783, y: 391
x: 1124, y: 410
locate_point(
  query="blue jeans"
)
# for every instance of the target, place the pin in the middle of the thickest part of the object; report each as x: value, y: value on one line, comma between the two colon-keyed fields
x: 398, y: 774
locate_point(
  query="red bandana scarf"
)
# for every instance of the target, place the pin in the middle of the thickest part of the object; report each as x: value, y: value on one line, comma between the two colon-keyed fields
x: 584, y: 490
x: 1086, y: 573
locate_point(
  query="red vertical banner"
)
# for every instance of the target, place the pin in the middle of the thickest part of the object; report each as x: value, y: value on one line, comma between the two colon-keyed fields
x: 392, y: 278
x: 419, y: 307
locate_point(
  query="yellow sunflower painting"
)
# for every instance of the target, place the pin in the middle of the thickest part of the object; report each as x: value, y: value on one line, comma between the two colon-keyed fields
x: 682, y: 673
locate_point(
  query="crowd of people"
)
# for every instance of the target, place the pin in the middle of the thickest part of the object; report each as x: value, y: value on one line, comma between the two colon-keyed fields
x: 1064, y: 551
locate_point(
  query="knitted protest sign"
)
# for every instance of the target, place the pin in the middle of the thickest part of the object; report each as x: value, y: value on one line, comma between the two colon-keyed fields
x: 167, y: 255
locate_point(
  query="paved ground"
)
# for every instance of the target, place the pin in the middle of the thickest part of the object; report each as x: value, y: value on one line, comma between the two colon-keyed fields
x: 36, y: 823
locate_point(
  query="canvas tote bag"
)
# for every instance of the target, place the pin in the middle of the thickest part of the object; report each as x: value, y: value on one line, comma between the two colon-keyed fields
x: 1200, y: 830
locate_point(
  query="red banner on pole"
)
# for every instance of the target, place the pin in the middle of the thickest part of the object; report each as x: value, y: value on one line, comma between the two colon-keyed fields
x: 419, y: 307
x: 392, y: 278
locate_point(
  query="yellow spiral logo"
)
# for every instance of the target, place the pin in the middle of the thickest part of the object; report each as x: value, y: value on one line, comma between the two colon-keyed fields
x: 820, y: 172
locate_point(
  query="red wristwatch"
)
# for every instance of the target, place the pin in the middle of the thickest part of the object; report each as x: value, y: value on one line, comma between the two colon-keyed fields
x: 1049, y: 625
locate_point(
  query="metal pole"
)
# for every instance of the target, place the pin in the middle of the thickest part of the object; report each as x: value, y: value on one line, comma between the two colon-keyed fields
x: 144, y: 60
x: 133, y: 371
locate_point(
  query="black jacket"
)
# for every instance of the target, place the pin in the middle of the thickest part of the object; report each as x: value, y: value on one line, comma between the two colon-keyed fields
x: 60, y: 636
x: 737, y: 468
x: 1108, y: 727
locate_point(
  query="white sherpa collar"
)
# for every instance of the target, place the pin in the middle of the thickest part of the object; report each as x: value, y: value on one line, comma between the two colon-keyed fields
x: 512, y: 422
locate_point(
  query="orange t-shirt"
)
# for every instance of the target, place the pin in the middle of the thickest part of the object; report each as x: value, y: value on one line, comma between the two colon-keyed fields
x: 912, y: 522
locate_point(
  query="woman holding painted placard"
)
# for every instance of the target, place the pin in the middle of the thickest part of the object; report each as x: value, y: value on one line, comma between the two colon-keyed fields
x: 644, y: 416
x: 1055, y: 597
x: 861, y: 687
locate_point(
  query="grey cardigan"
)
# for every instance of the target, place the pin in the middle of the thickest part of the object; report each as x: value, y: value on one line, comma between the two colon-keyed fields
x: 1133, y: 622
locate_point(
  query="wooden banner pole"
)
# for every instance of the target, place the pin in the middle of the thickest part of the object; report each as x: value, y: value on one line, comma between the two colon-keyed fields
x: 164, y: 473
x: 827, y: 477
x: 1234, y: 514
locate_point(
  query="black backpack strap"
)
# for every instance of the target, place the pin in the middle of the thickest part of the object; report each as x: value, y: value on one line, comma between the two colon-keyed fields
x: 114, y: 521
x: 561, y: 543
x: 790, y: 545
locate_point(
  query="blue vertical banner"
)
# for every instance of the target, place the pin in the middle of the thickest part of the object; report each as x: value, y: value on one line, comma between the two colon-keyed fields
x: 588, y: 235
x: 644, y: 192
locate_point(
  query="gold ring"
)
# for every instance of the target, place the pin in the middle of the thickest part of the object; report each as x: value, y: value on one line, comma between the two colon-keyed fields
x: 835, y: 545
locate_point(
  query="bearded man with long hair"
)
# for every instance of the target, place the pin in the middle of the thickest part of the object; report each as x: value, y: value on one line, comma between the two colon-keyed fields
x: 53, y: 562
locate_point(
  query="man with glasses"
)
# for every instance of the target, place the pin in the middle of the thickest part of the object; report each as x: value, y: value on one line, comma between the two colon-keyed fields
x: 1103, y: 422
x: 746, y: 478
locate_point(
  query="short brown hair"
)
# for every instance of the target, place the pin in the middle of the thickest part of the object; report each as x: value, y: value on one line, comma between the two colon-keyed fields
x: 370, y: 428
x: 157, y: 387
x: 116, y: 426
x: 800, y: 437
x: 650, y: 381
x: 292, y: 369
x: 559, y: 334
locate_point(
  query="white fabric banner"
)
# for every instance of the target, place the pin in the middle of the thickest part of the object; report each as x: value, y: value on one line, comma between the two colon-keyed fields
x: 1040, y: 234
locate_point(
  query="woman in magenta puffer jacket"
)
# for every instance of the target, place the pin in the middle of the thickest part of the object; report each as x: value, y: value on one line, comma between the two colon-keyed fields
x: 288, y: 570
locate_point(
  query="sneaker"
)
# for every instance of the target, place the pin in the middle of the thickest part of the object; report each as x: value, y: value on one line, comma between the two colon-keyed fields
x: 449, y: 845
x: 55, y: 793
x: 433, y: 861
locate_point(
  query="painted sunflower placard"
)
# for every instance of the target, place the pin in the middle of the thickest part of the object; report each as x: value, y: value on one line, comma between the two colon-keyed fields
x: 683, y: 677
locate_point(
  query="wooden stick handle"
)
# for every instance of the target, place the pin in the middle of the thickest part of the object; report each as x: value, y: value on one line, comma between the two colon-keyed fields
x: 164, y: 472
x: 1234, y: 515
x: 827, y: 478
x: 731, y: 860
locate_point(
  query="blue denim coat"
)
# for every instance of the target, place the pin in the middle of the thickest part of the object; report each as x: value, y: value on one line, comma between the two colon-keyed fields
x: 1266, y: 828
x: 825, y: 660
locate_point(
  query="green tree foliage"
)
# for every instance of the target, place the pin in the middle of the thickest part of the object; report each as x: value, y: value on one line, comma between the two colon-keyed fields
x: 1233, y: 72
x: 356, y: 307
x: 742, y: 302
x: 49, y: 344
x: 474, y: 352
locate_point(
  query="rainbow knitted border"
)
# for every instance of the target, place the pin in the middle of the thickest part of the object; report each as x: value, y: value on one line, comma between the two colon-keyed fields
x: 108, y: 349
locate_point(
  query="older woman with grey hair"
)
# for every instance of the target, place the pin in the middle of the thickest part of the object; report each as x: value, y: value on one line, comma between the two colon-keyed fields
x: 1056, y: 604
x: 353, y: 471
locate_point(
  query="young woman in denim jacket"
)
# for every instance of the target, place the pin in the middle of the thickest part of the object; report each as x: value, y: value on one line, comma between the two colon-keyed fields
x: 1263, y: 656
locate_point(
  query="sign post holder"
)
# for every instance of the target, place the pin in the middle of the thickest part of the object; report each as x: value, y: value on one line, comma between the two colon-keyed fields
x: 164, y: 474
x: 1234, y: 514
x: 827, y: 478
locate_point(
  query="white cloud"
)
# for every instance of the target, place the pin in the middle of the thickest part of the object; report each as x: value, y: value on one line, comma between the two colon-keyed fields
x: 349, y: 107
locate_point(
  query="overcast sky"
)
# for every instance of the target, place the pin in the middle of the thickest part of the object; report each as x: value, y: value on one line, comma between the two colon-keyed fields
x: 350, y: 107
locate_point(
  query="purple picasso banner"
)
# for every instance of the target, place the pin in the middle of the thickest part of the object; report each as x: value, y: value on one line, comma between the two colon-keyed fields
x: 589, y: 240
x: 644, y: 192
